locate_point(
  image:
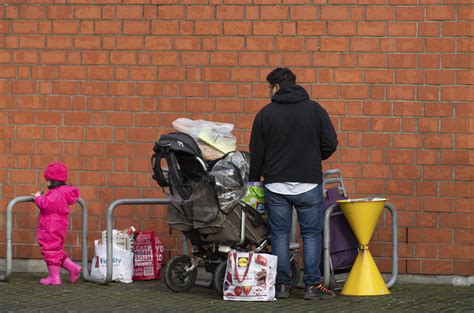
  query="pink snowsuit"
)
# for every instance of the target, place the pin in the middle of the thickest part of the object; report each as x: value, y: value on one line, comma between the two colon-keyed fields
x: 53, y: 222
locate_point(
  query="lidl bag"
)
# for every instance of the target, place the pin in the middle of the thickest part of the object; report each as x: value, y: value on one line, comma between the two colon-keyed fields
x: 250, y: 276
x: 122, y: 263
x: 148, y: 256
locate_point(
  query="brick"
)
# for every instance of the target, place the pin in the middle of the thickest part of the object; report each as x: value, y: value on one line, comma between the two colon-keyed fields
x: 410, y: 45
x: 348, y: 76
x: 165, y: 58
x: 296, y: 59
x: 230, y: 12
x: 149, y: 89
x: 437, y: 172
x: 87, y: 12
x: 93, y: 88
x: 450, y: 220
x: 60, y: 12
x: 127, y: 12
x: 454, y: 189
x: 463, y: 236
x: 65, y: 27
x: 208, y: 28
x: 274, y: 12
x: 130, y: 42
x: 100, y: 73
x: 108, y: 27
x: 67, y: 72
x: 25, y: 57
x: 165, y: 27
x: 379, y: 13
x: 437, y: 204
x: 371, y: 28
x: 123, y: 57
x: 87, y: 42
x: 454, y: 60
x: 341, y: 28
x: 94, y: 57
x: 425, y: 250
x: 334, y: 44
x: 200, y: 12
x: 310, y: 28
x: 199, y: 105
x: 304, y: 12
x: 169, y: 12
x: 264, y: 28
x: 414, y: 13
x: 434, y: 235
x: 334, y: 13
x: 32, y: 41
x: 440, y: 12
x: 60, y: 42
x: 440, y: 45
x: 136, y: 27
x: 187, y: 43
x: 23, y: 27
x: 463, y: 77
x: 143, y: 73
x: 430, y: 29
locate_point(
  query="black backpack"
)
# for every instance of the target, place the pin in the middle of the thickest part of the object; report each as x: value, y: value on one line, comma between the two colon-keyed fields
x: 184, y: 160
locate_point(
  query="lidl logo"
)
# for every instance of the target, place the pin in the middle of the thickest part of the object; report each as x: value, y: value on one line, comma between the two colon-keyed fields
x: 243, y: 261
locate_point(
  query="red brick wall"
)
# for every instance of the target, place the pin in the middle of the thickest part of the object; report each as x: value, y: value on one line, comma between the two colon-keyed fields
x: 94, y: 84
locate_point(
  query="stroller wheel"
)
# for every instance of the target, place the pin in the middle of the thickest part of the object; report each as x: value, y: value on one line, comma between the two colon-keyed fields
x: 218, y: 277
x: 295, y: 271
x: 176, y: 278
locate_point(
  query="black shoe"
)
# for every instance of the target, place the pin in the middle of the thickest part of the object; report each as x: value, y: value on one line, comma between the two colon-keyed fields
x: 318, y: 291
x: 282, y: 291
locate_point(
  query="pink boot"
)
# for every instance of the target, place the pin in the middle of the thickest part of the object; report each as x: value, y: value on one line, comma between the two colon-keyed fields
x: 53, y: 277
x: 73, y: 269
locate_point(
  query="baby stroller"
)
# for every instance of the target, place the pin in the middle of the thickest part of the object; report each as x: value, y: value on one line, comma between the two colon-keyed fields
x: 205, y: 206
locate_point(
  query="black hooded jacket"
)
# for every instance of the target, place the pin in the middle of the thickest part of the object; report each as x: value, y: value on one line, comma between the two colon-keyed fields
x: 290, y: 137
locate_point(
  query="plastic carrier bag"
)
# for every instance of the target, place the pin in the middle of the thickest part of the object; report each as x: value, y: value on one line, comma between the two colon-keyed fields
x: 231, y: 176
x: 148, y: 256
x: 255, y: 196
x: 214, y: 139
x: 250, y: 276
x: 122, y: 263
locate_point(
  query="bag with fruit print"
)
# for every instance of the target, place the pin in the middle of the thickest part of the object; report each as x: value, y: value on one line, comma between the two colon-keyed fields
x: 250, y: 276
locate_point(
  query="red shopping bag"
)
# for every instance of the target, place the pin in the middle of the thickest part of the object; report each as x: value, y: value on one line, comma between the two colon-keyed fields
x: 148, y: 256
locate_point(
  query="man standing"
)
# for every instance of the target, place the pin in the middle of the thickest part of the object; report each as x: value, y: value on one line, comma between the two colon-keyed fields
x: 290, y: 137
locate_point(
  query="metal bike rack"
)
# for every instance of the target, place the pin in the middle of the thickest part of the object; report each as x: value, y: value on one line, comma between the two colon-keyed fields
x: 8, y: 237
x: 327, y: 239
x: 110, y: 224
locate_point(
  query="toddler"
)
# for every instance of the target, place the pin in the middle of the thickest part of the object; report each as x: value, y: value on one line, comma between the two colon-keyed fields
x: 53, y: 223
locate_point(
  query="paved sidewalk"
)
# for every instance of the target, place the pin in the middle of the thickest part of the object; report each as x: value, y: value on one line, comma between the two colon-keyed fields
x: 24, y: 294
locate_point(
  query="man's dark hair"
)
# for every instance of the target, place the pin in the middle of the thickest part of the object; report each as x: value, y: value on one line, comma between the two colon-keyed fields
x: 282, y: 76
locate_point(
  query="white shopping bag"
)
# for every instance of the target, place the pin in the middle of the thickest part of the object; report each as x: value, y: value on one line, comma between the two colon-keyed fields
x: 122, y: 263
x: 250, y: 276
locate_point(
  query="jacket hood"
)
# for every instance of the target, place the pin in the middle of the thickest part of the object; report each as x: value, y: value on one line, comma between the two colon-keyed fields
x: 70, y: 193
x: 290, y: 94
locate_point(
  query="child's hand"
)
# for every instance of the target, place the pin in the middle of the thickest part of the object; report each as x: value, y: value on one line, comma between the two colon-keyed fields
x: 36, y: 194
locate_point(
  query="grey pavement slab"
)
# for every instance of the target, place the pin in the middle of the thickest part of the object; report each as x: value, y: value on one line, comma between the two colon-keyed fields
x: 24, y: 294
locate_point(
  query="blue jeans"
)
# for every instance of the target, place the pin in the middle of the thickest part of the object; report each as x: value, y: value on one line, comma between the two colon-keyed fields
x: 310, y: 210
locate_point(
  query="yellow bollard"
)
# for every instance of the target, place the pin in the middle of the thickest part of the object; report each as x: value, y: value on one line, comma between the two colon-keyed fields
x: 365, y: 278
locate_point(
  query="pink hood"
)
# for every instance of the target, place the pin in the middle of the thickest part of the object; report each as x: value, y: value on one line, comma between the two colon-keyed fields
x: 70, y: 193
